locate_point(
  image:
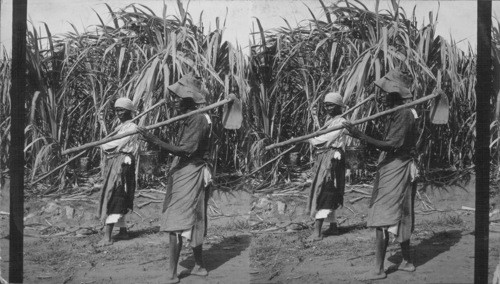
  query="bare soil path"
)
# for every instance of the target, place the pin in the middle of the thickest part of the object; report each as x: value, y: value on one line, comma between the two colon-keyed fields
x: 51, y: 257
x: 442, y: 244
x: 252, y: 238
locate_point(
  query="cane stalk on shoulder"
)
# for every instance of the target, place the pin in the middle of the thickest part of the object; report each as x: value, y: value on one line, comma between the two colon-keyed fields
x: 439, y: 115
x: 232, y: 115
x: 232, y: 119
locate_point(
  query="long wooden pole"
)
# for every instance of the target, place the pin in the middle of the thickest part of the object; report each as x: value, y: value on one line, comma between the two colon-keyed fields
x: 162, y: 101
x: 16, y: 154
x: 159, y: 103
x: 352, y: 109
x: 358, y: 105
x: 321, y: 132
x: 57, y: 168
x: 484, y: 93
x: 159, y: 124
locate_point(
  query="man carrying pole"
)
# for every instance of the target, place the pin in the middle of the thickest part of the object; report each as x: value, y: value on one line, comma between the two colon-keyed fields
x: 391, y: 206
x: 327, y: 188
x: 117, y: 193
x: 184, y: 208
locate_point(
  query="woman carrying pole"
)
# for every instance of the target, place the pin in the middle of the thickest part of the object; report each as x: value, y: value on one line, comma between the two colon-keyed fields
x: 327, y: 188
x: 117, y: 193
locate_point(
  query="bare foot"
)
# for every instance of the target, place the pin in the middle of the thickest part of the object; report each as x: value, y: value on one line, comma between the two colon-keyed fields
x: 199, y: 271
x: 104, y: 242
x: 371, y: 275
x: 406, y: 266
x: 331, y: 232
x: 172, y: 280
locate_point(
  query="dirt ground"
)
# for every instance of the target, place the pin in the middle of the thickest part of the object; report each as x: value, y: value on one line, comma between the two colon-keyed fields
x: 252, y: 238
x: 442, y: 243
x: 61, y: 236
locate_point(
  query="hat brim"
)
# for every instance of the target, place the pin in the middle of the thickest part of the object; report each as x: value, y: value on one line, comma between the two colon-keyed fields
x: 390, y: 86
x: 184, y: 91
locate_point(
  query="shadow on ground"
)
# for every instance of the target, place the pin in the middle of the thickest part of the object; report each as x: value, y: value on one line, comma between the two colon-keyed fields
x: 430, y: 248
x: 220, y: 253
x: 351, y: 228
x: 142, y: 232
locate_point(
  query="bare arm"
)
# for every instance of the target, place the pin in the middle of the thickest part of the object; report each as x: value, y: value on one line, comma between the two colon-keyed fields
x: 384, y: 145
x: 175, y: 150
x: 396, y: 134
x: 189, y: 142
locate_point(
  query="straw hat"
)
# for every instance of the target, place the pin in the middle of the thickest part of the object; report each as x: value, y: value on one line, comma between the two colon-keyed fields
x: 334, y: 98
x: 190, y: 86
x: 396, y: 81
x: 125, y: 103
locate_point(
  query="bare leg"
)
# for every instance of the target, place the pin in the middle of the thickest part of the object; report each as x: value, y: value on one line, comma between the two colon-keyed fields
x: 381, y: 243
x: 406, y: 264
x: 175, y: 245
x: 106, y: 239
x: 316, y: 235
x: 199, y: 268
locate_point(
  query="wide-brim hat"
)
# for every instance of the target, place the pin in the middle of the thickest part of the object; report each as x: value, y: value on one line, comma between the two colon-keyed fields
x: 396, y: 81
x: 190, y: 86
x: 334, y: 98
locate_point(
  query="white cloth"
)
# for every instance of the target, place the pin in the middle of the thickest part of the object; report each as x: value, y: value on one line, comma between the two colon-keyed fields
x: 337, y: 155
x: 394, y: 229
x: 327, y: 214
x: 187, y: 234
x: 117, y: 219
x: 128, y: 144
x: 125, y: 103
x: 335, y: 139
x: 207, y: 176
x: 208, y: 118
x: 335, y: 98
x: 414, y: 112
x: 413, y: 171
x: 127, y: 161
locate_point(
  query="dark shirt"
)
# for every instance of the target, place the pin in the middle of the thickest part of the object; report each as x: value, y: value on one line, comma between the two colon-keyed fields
x: 194, y: 138
x: 401, y: 133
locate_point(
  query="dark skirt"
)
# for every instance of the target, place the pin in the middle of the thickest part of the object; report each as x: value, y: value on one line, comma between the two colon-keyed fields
x: 327, y: 188
x: 117, y: 193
